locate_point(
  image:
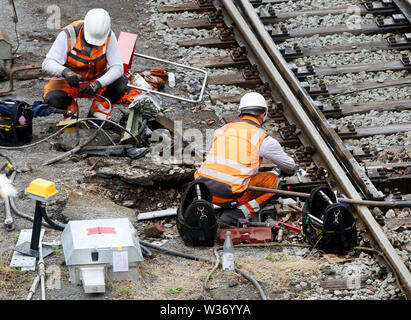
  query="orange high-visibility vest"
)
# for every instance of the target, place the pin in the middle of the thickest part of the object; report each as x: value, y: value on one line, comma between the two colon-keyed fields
x: 234, y: 156
x: 88, y: 66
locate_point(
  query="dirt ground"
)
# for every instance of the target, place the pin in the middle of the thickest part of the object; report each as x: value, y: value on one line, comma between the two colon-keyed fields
x: 164, y: 277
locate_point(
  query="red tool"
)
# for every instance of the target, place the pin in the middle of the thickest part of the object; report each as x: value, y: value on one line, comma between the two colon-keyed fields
x: 286, y: 226
x: 127, y: 43
x: 247, y: 235
x: 257, y: 232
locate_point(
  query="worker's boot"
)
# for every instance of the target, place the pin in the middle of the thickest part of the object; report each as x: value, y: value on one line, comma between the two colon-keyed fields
x: 71, y: 111
x: 230, y: 217
x: 100, y: 110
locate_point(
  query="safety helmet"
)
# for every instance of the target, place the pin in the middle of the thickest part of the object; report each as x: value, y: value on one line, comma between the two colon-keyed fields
x: 254, y: 104
x: 96, y: 26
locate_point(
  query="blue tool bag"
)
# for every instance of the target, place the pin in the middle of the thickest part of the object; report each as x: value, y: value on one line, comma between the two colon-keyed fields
x: 16, y: 123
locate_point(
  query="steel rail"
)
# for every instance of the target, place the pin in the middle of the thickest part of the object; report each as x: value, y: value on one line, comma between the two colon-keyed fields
x: 307, y: 125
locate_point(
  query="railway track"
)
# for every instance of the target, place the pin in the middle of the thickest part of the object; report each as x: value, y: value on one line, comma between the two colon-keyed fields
x: 336, y: 90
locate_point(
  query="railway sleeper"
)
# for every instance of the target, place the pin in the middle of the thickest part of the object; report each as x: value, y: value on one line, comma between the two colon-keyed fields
x: 195, y: 6
x: 280, y: 34
x: 294, y: 51
x: 270, y: 15
x: 303, y: 72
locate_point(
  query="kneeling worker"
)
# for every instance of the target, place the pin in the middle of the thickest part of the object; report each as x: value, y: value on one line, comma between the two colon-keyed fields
x: 234, y: 159
x: 85, y: 60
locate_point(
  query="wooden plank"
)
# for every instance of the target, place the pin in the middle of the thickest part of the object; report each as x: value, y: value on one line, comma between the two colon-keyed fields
x: 218, y: 62
x: 225, y: 98
x: 201, y: 23
x: 356, y: 68
x: 377, y: 165
x: 209, y: 42
x: 235, y: 79
x: 341, y: 284
x: 337, y: 89
x: 351, y: 48
x: 361, y: 108
x: 188, y: 6
x: 395, y: 223
x: 371, y: 28
x: 266, y: 18
x: 376, y: 130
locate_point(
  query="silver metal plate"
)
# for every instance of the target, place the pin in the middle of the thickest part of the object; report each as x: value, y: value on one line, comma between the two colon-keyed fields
x: 22, y: 261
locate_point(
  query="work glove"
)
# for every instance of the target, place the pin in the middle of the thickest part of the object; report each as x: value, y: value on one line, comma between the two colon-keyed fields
x: 92, y: 88
x: 71, y: 77
x: 299, y: 171
x: 41, y: 109
x: 296, y: 170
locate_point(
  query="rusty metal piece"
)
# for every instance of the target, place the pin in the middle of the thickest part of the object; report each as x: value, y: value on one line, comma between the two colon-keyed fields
x: 350, y: 126
x: 13, y: 72
x: 239, y: 54
x: 272, y: 12
x: 251, y: 73
x: 366, y: 149
x: 397, y: 194
x: 382, y: 172
x: 406, y: 60
x: 216, y: 17
x: 203, y: 3
x: 335, y: 105
x: 226, y: 34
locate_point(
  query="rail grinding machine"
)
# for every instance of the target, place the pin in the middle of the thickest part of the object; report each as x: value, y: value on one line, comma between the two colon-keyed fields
x: 94, y: 249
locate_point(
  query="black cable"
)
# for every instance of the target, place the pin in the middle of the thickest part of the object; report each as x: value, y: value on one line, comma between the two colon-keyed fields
x: 146, y: 252
x: 190, y: 257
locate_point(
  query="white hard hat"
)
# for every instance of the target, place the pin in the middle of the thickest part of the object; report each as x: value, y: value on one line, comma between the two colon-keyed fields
x: 253, y: 103
x: 96, y: 26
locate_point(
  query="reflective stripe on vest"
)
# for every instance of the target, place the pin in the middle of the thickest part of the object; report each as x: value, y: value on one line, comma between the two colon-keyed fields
x: 234, y: 155
x: 89, y: 66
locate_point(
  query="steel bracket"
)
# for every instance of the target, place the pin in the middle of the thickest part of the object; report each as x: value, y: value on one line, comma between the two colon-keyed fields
x: 393, y: 21
x: 400, y: 42
x: 375, y: 6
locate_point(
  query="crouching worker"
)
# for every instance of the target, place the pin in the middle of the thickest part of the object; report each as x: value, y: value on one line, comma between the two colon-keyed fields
x: 235, y: 157
x: 85, y: 60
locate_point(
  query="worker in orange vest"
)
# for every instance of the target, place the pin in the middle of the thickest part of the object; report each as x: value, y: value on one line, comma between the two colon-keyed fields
x: 85, y: 60
x: 235, y: 157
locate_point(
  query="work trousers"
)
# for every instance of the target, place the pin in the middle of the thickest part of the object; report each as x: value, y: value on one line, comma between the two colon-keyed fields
x: 250, y: 201
x: 59, y: 94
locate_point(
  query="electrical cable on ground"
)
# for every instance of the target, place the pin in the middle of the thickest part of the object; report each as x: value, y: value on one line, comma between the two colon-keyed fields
x: 63, y: 128
x: 217, y: 263
x: 190, y: 257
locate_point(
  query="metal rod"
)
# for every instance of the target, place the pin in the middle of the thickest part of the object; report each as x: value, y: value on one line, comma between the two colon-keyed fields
x: 8, y: 221
x: 41, y: 272
x: 306, y: 124
x: 315, y: 219
x: 389, y: 204
x: 175, y: 64
x: 33, y: 287
x: 35, y: 233
x: 326, y: 198
x: 12, y: 73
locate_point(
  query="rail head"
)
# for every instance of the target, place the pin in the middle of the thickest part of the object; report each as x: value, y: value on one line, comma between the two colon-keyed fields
x: 266, y: 61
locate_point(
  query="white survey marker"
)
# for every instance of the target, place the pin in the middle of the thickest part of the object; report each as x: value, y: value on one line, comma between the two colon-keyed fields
x: 94, y: 249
